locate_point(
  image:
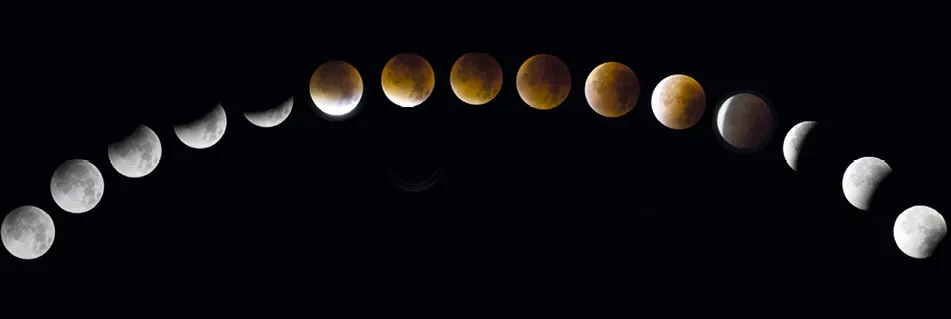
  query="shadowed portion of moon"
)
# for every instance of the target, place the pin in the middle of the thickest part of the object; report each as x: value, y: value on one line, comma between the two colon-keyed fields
x: 612, y: 89
x: 415, y: 177
x: 408, y: 80
x: 138, y: 154
x: 476, y: 78
x: 862, y: 180
x: 77, y: 186
x: 27, y: 232
x: 271, y: 117
x: 543, y: 81
x: 678, y: 102
x: 336, y: 88
x: 919, y: 230
x: 745, y: 122
x: 793, y: 143
x: 204, y: 132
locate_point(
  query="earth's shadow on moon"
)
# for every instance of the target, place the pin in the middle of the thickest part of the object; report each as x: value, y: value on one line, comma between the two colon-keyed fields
x: 773, y: 116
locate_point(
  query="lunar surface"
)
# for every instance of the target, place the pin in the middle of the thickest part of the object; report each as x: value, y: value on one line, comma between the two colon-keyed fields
x: 408, y: 80
x: 27, y: 232
x: 919, y: 230
x: 678, y: 102
x: 336, y: 88
x: 138, y: 154
x: 862, y: 179
x: 476, y: 78
x: 543, y: 81
x: 612, y: 89
x: 792, y: 144
x: 745, y: 122
x: 271, y: 117
x: 77, y: 186
x: 205, y: 131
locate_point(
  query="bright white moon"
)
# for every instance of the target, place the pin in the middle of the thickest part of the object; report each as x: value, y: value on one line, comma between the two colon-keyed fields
x: 138, y: 154
x: 862, y: 179
x: 919, y: 230
x: 77, y: 186
x: 27, y: 232
x: 271, y: 117
x: 205, y: 131
x: 792, y: 144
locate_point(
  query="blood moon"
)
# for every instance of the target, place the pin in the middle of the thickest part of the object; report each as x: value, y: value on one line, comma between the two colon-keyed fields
x: 543, y: 81
x: 408, y: 80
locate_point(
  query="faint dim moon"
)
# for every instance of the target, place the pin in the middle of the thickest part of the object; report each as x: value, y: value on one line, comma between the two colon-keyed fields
x: 408, y: 80
x: 271, y: 117
x: 919, y: 230
x: 678, y: 102
x: 415, y: 178
x: 336, y: 88
x: 137, y: 154
x: 862, y: 179
x: 205, y: 131
x: 27, y: 232
x: 543, y: 81
x: 745, y: 122
x: 77, y: 186
x: 792, y: 144
x: 612, y: 89
x: 476, y: 78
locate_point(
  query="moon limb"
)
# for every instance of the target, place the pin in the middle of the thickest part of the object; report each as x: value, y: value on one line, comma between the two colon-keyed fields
x: 271, y: 117
x: 204, y: 132
x: 792, y: 144
x: 138, y: 154
x: 919, y: 230
x: 336, y: 88
x: 861, y: 180
x: 77, y: 186
x: 27, y: 232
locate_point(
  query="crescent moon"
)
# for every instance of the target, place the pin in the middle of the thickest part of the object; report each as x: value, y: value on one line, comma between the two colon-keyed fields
x: 271, y: 117
x: 204, y: 132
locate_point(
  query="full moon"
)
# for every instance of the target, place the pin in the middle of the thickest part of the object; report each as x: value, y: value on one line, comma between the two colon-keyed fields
x: 271, y: 117
x: 745, y: 122
x: 919, y: 230
x: 543, y: 81
x: 408, y: 80
x: 138, y: 154
x: 27, y: 232
x: 678, y: 102
x: 792, y: 144
x: 205, y: 131
x: 77, y: 186
x: 612, y: 89
x: 476, y: 78
x: 336, y: 88
x: 862, y: 178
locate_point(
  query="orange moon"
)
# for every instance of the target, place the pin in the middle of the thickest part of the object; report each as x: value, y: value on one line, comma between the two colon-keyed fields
x: 678, y: 102
x: 476, y: 78
x: 612, y: 89
x: 336, y: 88
x: 543, y: 81
x: 408, y: 80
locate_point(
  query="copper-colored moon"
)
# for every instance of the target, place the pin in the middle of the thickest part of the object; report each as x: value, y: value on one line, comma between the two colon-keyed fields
x: 543, y: 81
x: 612, y: 89
x: 678, y: 101
x: 336, y: 88
x: 745, y: 122
x: 476, y: 78
x: 408, y: 80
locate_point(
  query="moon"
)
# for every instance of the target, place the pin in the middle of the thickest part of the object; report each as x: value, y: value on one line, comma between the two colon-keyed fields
x: 919, y: 230
x: 138, y: 154
x: 745, y: 122
x: 27, y: 232
x: 792, y: 144
x: 408, y: 80
x: 612, y: 89
x: 678, y: 102
x: 543, y: 81
x: 77, y: 186
x: 862, y: 178
x: 336, y: 88
x: 476, y: 78
x: 205, y: 131
x: 271, y: 117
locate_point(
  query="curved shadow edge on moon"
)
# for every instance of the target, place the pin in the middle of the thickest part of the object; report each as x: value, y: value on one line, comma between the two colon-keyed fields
x: 77, y: 186
x: 204, y: 132
x: 862, y: 179
x: 792, y: 144
x: 919, y: 230
x: 403, y: 184
x: 745, y: 123
x: 271, y: 117
x: 336, y: 88
x: 138, y: 154
x: 27, y: 232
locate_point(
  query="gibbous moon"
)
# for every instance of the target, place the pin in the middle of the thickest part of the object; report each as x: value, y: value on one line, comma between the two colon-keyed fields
x: 862, y: 178
x: 205, y: 131
x: 336, y: 88
x: 745, y: 122
x: 408, y: 80
x: 612, y: 89
x: 77, y: 186
x: 27, y: 232
x: 792, y: 144
x: 476, y: 78
x: 678, y: 102
x: 138, y: 154
x: 543, y: 81
x: 271, y: 117
x: 919, y: 230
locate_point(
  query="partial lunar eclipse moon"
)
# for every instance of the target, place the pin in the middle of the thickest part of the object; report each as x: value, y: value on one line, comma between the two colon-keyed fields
x: 137, y: 154
x: 745, y: 122
x: 271, y: 117
x: 27, y: 232
x: 408, y: 80
x: 862, y: 179
x: 918, y: 231
x: 204, y: 132
x: 77, y: 186
x: 678, y: 102
x: 792, y: 144
x: 336, y: 88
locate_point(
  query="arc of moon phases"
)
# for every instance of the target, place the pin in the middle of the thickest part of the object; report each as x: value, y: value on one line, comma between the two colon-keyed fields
x: 271, y: 117
x: 77, y: 186
x: 745, y: 122
x: 918, y: 231
x: 408, y: 80
x: 862, y: 179
x: 27, y: 232
x: 205, y: 131
x: 137, y: 154
x: 612, y: 89
x: 543, y: 81
x: 678, y: 102
x: 792, y: 144
x: 476, y: 78
x: 336, y: 88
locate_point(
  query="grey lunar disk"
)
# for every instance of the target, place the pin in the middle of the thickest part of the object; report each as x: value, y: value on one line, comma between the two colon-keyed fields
x: 792, y: 144
x: 862, y: 178
x: 27, y: 232
x: 138, y: 154
x: 205, y: 131
x: 919, y: 230
x: 745, y: 121
x: 77, y: 186
x: 271, y: 117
